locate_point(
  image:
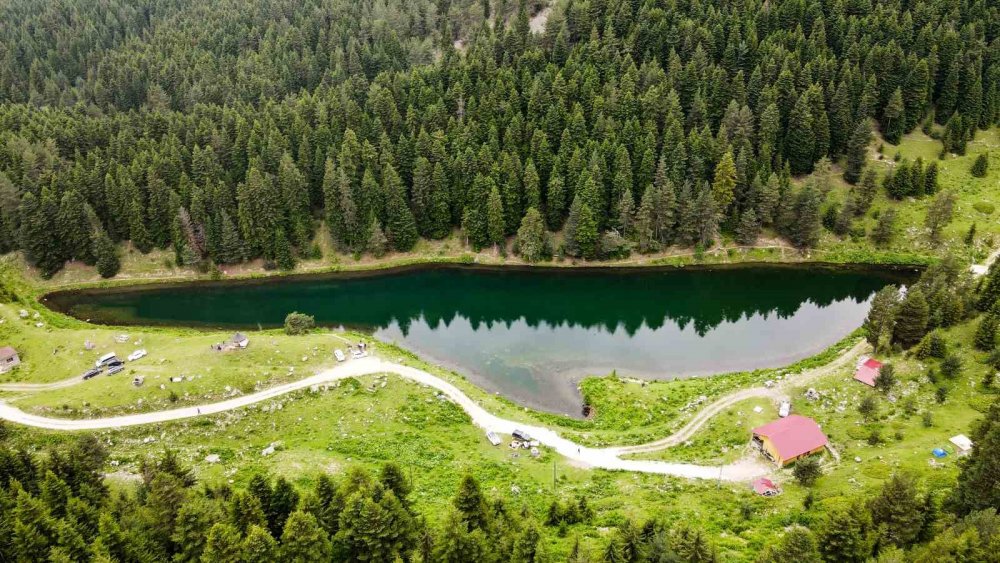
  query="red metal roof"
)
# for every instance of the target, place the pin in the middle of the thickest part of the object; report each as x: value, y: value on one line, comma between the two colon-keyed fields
x: 793, y: 435
x: 764, y: 485
x: 868, y: 371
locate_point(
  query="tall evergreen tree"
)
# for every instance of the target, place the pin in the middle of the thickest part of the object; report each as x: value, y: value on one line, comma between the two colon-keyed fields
x: 495, y: 223
x: 857, y: 151
x: 911, y: 318
x: 401, y: 228
x: 801, y: 138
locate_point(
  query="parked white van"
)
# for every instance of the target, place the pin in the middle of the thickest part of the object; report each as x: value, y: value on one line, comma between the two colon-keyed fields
x: 105, y: 359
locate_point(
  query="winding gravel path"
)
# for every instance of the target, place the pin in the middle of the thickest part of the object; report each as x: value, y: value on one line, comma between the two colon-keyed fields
x: 982, y: 269
x: 604, y: 458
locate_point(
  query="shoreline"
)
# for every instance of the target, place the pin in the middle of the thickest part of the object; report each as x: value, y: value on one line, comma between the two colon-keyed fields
x: 51, y: 299
x: 720, y: 257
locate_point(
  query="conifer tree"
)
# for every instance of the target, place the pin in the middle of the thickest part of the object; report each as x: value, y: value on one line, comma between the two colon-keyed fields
x: 644, y: 234
x: 532, y: 187
x: 798, y: 544
x: 555, y: 202
x: 282, y: 252
x: 422, y: 194
x: 459, y: 544
x: 725, y: 182
x: 846, y: 534
x: 894, y: 118
x: 587, y: 234
x: 495, y: 223
x: 108, y: 263
x: 75, y: 227
x: 377, y: 241
x: 401, y: 228
x: 897, y: 511
x: 691, y: 544
x: 531, y: 236
x: 986, y: 333
x: 245, y: 510
x: 885, y: 228
x: 865, y: 193
x: 295, y: 191
x: 990, y: 290
x: 806, y: 229
x: 331, y: 201
x: 973, y: 490
x: 303, y: 540
x: 911, y: 318
x: 230, y: 249
x: 767, y: 201
x: 471, y: 505
x: 980, y: 166
x: 939, y: 214
x: 625, y: 214
x: 706, y: 217
x: 800, y: 140
x: 857, y: 151
x: 38, y: 230
x: 192, y: 528
x: 258, y: 547
x: 748, y: 229
x: 223, y: 543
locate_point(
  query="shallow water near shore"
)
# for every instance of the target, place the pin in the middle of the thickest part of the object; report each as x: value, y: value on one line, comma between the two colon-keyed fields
x: 531, y: 333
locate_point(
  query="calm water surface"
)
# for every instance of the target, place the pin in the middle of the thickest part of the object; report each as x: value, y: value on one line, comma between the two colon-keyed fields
x: 530, y: 334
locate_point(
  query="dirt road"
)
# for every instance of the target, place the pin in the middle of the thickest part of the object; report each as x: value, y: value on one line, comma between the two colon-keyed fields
x: 605, y: 458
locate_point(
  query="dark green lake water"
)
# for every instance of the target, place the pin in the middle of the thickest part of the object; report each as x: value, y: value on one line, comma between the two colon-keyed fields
x: 531, y: 334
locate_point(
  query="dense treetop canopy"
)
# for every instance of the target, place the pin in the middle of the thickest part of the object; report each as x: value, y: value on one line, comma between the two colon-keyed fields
x: 228, y: 129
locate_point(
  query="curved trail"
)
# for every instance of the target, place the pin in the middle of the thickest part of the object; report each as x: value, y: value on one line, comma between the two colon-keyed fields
x: 604, y: 458
x: 15, y: 387
x: 776, y: 392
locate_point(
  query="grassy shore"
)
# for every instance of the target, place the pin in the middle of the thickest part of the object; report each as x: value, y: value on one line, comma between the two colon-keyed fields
x: 374, y: 419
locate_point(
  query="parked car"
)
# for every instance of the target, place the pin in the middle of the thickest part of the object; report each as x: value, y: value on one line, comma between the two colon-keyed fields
x: 116, y: 368
x: 105, y: 359
x: 140, y: 353
x: 92, y: 373
x: 339, y: 354
x: 785, y: 409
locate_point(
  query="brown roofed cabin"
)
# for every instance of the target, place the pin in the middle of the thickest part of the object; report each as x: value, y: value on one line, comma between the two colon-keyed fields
x: 8, y: 359
x: 788, y: 439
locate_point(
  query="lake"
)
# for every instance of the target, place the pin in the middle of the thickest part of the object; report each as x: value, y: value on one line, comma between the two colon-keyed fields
x: 531, y: 333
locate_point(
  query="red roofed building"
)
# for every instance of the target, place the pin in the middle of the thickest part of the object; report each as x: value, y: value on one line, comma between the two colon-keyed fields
x: 868, y: 371
x: 787, y: 439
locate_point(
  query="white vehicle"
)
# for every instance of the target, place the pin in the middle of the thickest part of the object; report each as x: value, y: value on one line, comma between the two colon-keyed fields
x: 493, y: 438
x: 785, y: 409
x: 356, y: 354
x: 141, y: 353
x: 339, y: 355
x: 105, y: 359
